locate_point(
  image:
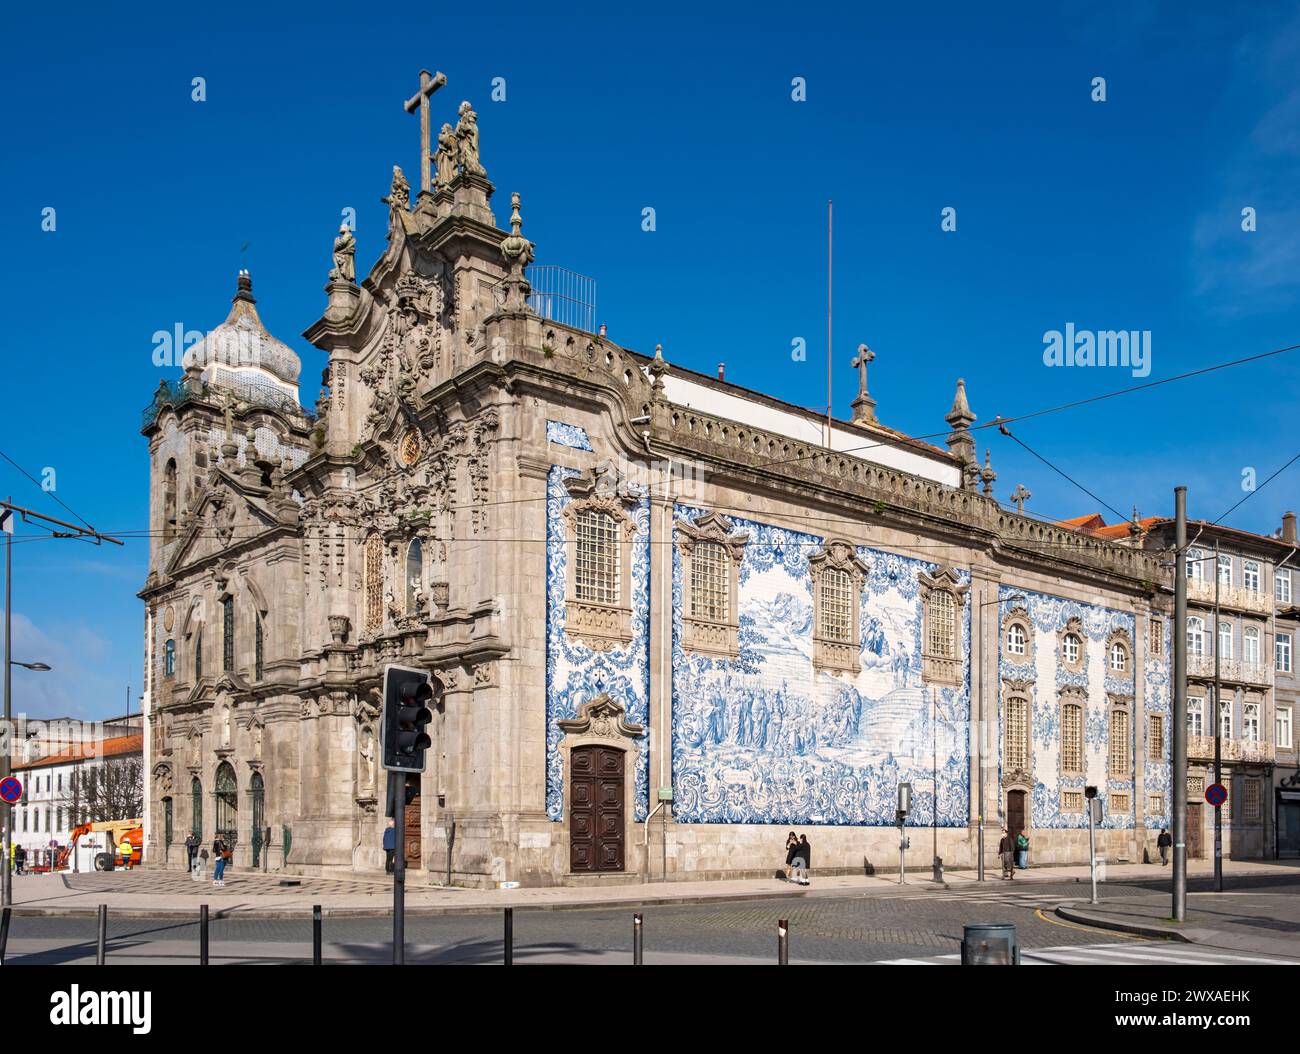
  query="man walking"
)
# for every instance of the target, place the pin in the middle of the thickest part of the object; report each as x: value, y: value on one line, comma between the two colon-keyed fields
x: 191, y: 851
x: 1006, y: 853
x: 390, y: 846
x: 1163, y: 843
x: 20, y: 859
x: 802, y: 861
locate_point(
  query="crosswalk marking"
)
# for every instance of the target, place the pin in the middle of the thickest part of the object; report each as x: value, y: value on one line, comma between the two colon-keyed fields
x: 1110, y: 955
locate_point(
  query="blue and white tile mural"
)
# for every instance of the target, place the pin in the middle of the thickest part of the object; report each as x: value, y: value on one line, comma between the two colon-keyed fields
x: 1157, y: 776
x: 567, y: 435
x: 763, y: 738
x: 1046, y: 676
x: 576, y: 673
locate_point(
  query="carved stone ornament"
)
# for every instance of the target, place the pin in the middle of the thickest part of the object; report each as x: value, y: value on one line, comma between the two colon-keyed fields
x: 408, y: 450
x: 162, y: 778
x: 602, y: 717
x: 1018, y: 777
x: 340, y: 626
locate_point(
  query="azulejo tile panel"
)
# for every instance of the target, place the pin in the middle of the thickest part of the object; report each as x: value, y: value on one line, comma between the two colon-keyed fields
x: 576, y: 673
x: 1157, y: 776
x: 1046, y: 676
x: 763, y: 738
x: 567, y: 435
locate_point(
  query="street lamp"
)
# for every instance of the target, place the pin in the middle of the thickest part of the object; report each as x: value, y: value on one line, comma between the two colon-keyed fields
x: 982, y: 733
x: 39, y: 667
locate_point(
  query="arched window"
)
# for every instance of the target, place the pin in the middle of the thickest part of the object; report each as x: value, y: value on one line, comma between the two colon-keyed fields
x: 1250, y: 722
x: 1071, y: 737
x: 1225, y: 640
x: 228, y: 633
x: 196, y: 808
x: 596, y: 565
x: 167, y: 821
x: 198, y: 652
x: 226, y: 818
x: 1017, y: 639
x: 414, y: 574
x: 1250, y: 644
x: 374, y: 583
x: 1071, y: 649
x: 257, y: 646
x: 169, y: 659
x: 1017, y: 734
x: 169, y: 501
x: 1195, y: 565
x: 257, y: 792
x: 1195, y: 635
x: 1118, y: 657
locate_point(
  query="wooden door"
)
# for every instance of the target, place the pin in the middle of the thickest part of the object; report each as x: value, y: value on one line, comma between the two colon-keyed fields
x: 1015, y: 812
x: 596, y: 827
x: 1195, y: 831
x: 412, y: 834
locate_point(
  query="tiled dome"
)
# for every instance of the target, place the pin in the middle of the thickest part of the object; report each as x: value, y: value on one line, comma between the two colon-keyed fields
x: 240, y: 352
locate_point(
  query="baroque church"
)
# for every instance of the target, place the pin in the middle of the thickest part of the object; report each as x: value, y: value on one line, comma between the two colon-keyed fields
x: 669, y: 618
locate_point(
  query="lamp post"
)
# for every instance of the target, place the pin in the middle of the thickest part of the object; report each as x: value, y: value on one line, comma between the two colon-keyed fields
x: 979, y: 769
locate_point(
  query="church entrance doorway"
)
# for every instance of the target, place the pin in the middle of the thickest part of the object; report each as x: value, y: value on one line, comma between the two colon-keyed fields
x: 1015, y: 812
x: 412, y: 835
x: 596, y: 827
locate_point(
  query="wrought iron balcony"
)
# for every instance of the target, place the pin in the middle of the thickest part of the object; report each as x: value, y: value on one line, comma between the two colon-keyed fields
x: 1237, y: 597
x: 1235, y: 671
x: 181, y: 391
x: 1231, y: 749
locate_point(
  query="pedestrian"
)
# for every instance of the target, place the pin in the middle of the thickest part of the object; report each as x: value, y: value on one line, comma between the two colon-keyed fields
x: 219, y: 856
x: 201, y: 866
x: 1022, y: 850
x: 1163, y: 843
x: 20, y: 859
x: 791, y: 847
x: 191, y: 851
x: 802, y: 861
x: 1006, y: 853
x: 390, y: 846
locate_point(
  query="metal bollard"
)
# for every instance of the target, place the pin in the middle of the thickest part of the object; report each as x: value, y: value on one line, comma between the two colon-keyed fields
x: 315, y: 934
x: 203, y: 935
x: 637, y: 948
x: 102, y: 936
x: 4, y: 931
x: 510, y: 936
x: 783, y: 942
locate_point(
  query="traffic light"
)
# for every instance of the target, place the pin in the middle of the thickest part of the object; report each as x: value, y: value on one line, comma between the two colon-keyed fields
x: 407, y: 695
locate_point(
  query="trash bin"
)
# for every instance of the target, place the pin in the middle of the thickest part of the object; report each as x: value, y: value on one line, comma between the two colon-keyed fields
x: 990, y: 944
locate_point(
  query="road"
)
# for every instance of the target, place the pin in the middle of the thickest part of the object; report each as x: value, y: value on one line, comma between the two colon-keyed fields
x: 912, y: 924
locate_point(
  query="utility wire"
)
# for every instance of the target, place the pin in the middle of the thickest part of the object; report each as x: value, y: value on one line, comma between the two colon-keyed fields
x: 1251, y: 494
x: 1060, y: 472
x: 43, y: 490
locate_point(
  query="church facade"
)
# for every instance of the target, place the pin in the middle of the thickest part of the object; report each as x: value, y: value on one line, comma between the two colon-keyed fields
x: 669, y: 618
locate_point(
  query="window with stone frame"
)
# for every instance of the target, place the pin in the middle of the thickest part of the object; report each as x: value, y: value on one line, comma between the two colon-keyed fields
x: 1120, y: 802
x: 1071, y: 646
x: 1195, y: 565
x: 1282, y: 586
x: 1156, y: 737
x: 1119, y: 753
x: 1071, y: 801
x: 227, y: 633
x: 414, y: 575
x: 1017, y: 637
x: 1195, y: 717
x: 1250, y: 722
x: 1225, y: 640
x: 373, y: 578
x: 1282, y: 728
x: 169, y: 659
x: 599, y: 533
x: 1156, y: 637
x: 1072, y: 734
x: 1250, y: 575
x: 1250, y: 645
x: 1195, y: 635
x: 1250, y: 801
x: 1155, y: 804
x: 943, y: 599
x: 837, y: 576
x: 1016, y: 715
x: 1118, y: 657
x: 257, y: 646
x: 1282, y: 652
x: 711, y: 552
x: 198, y: 652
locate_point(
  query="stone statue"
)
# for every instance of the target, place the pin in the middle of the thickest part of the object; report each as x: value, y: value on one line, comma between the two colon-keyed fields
x: 445, y: 157
x: 345, y: 250
x: 467, y: 137
x: 399, y: 195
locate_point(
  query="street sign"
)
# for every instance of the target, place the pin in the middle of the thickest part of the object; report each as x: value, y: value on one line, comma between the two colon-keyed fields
x: 11, y: 789
x: 1216, y: 794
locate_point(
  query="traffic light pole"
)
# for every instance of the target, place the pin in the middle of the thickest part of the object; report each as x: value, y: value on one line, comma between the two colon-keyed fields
x: 397, y: 789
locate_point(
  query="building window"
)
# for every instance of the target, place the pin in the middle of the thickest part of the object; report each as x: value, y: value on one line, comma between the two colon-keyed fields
x: 1120, y: 802
x: 169, y: 502
x: 1017, y: 734
x: 1225, y: 718
x: 196, y: 808
x: 1195, y: 787
x: 711, y: 553
x: 1195, y: 717
x: 1119, y: 743
x: 167, y: 821
x: 1016, y: 639
x: 1118, y: 657
x: 1225, y: 571
x: 1250, y: 800
x: 710, y: 582
x: 943, y: 597
x: 1225, y: 640
x: 1282, y: 586
x: 942, y: 636
x: 1071, y: 801
x: 1250, y: 575
x: 257, y: 646
x: 1282, y: 650
x: 1195, y: 565
x: 373, y: 573
x: 596, y: 563
x: 1250, y: 722
x: 169, y: 659
x: 1250, y: 644
x: 1071, y: 649
x: 1072, y: 737
x: 1156, y: 637
x: 1155, y: 805
x: 228, y: 633
x: 1156, y: 737
x: 837, y: 576
x: 414, y: 576
x: 1195, y: 635
x: 198, y: 653
x: 1283, y: 721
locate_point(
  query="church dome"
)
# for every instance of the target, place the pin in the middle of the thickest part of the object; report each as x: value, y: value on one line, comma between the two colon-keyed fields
x: 240, y: 354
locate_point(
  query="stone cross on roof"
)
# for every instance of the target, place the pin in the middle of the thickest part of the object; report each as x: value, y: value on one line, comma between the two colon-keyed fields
x: 1020, y: 495
x: 420, y: 100
x: 864, y: 407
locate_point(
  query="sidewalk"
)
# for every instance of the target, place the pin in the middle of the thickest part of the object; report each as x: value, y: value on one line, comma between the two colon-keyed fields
x: 145, y: 892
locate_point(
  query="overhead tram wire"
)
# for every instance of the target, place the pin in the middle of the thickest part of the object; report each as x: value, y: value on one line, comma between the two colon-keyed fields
x: 1252, y: 493
x: 44, y: 491
x: 1061, y: 472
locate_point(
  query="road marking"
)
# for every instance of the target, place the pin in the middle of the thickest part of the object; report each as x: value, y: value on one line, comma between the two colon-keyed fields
x: 1110, y: 955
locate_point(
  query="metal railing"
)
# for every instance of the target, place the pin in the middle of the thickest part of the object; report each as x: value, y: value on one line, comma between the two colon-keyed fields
x: 1202, y: 592
x: 1247, y: 750
x: 178, y: 392
x: 1237, y: 671
x: 563, y: 296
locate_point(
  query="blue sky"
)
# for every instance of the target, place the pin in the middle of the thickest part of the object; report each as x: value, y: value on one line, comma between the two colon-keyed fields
x: 1123, y: 214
